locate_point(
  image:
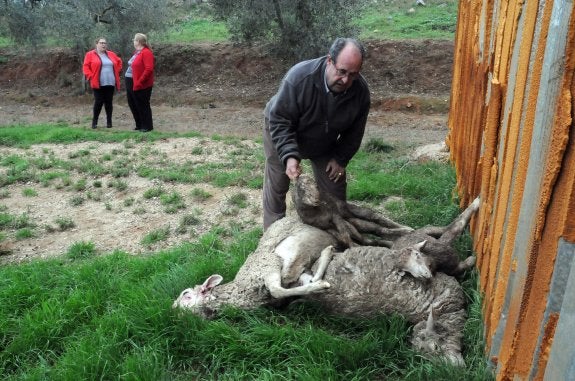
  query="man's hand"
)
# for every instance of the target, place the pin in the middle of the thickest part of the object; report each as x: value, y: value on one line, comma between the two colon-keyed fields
x: 335, y: 171
x: 293, y: 169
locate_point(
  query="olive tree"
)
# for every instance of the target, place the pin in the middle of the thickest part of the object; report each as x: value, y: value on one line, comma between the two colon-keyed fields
x: 22, y: 21
x: 292, y: 29
x: 78, y: 23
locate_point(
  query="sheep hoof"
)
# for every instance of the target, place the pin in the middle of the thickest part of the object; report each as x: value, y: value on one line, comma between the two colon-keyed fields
x: 320, y: 285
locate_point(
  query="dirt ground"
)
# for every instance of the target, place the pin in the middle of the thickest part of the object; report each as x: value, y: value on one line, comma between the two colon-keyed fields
x: 213, y: 89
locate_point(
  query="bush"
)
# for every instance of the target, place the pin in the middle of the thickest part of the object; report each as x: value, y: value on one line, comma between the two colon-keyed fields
x: 294, y: 30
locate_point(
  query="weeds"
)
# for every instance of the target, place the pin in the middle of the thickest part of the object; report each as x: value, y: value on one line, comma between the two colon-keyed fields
x: 96, y: 195
x: 29, y: 192
x: 64, y: 223
x: 172, y: 202
x: 79, y: 154
x: 155, y: 236
x: 154, y: 192
x: 239, y: 200
x: 119, y: 185
x: 80, y: 185
x: 377, y: 145
x: 81, y: 250
x: 77, y: 200
x: 24, y: 233
x: 140, y: 210
x: 9, y: 221
x: 200, y: 194
x: 186, y: 221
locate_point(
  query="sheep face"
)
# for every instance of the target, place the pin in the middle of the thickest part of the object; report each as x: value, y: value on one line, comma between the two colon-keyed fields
x: 307, y: 190
x: 194, y: 298
x: 431, y: 339
x: 414, y: 262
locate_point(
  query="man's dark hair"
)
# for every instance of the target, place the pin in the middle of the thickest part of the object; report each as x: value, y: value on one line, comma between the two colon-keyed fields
x: 340, y: 43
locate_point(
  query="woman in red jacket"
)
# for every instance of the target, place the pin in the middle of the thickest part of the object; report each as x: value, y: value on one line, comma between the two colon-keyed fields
x: 139, y: 82
x: 102, y: 68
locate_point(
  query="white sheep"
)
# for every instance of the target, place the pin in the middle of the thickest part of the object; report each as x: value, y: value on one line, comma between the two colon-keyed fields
x: 361, y: 281
x: 280, y: 268
x: 366, y: 282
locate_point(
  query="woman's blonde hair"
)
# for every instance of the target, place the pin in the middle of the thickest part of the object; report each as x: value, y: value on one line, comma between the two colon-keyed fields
x: 143, y: 40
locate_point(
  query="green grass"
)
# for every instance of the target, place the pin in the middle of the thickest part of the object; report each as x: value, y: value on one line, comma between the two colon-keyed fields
x: 81, y: 250
x: 29, y: 192
x: 64, y: 223
x: 109, y: 316
x: 4, y: 43
x: 393, y: 20
x: 196, y: 30
x: 23, y: 136
x: 90, y: 315
x: 156, y: 235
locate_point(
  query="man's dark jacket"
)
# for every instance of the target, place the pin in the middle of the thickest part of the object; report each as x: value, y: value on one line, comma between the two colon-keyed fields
x: 306, y: 121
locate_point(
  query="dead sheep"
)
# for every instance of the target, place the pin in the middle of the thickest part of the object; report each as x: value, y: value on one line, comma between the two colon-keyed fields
x: 291, y: 260
x: 438, y: 243
x: 349, y: 223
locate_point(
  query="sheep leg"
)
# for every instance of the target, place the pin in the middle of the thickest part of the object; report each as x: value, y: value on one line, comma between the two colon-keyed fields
x: 366, y: 241
x: 363, y: 240
x: 324, y: 259
x: 372, y: 216
x: 456, y: 227
x: 344, y: 233
x: 464, y: 265
x: 365, y: 226
x: 273, y: 283
x: 433, y: 231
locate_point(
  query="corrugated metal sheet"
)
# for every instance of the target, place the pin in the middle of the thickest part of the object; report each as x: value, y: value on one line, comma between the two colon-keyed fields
x: 511, y: 139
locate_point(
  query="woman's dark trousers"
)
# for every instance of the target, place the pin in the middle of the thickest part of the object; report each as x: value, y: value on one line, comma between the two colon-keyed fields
x: 139, y: 102
x: 103, y: 96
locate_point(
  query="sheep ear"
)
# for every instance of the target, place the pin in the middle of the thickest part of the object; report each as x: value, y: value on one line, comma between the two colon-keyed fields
x: 420, y: 245
x: 211, y: 282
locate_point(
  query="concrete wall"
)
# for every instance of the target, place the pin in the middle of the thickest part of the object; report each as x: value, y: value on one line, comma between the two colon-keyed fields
x: 512, y: 141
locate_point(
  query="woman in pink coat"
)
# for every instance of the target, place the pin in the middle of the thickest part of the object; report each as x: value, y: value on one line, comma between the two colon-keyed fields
x: 102, y: 69
x: 139, y: 82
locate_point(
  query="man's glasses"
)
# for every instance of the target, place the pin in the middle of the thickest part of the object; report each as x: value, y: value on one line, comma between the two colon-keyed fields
x: 344, y: 73
x: 102, y: 42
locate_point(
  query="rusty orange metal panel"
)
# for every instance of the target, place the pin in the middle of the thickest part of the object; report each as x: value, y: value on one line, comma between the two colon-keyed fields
x: 526, y: 82
x: 496, y: 88
x: 554, y: 220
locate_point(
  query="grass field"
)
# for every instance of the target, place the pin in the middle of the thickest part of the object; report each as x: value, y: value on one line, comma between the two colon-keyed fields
x: 89, y: 315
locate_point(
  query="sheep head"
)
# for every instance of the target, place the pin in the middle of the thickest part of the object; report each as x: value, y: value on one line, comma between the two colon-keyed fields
x: 195, y: 298
x: 430, y: 339
x: 413, y: 261
x: 306, y: 191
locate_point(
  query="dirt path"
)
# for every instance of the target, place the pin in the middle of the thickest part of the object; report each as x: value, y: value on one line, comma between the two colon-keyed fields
x: 234, y: 120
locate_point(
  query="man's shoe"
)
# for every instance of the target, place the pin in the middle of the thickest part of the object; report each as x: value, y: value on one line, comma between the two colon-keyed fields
x: 146, y: 130
x: 109, y: 126
x: 94, y: 127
